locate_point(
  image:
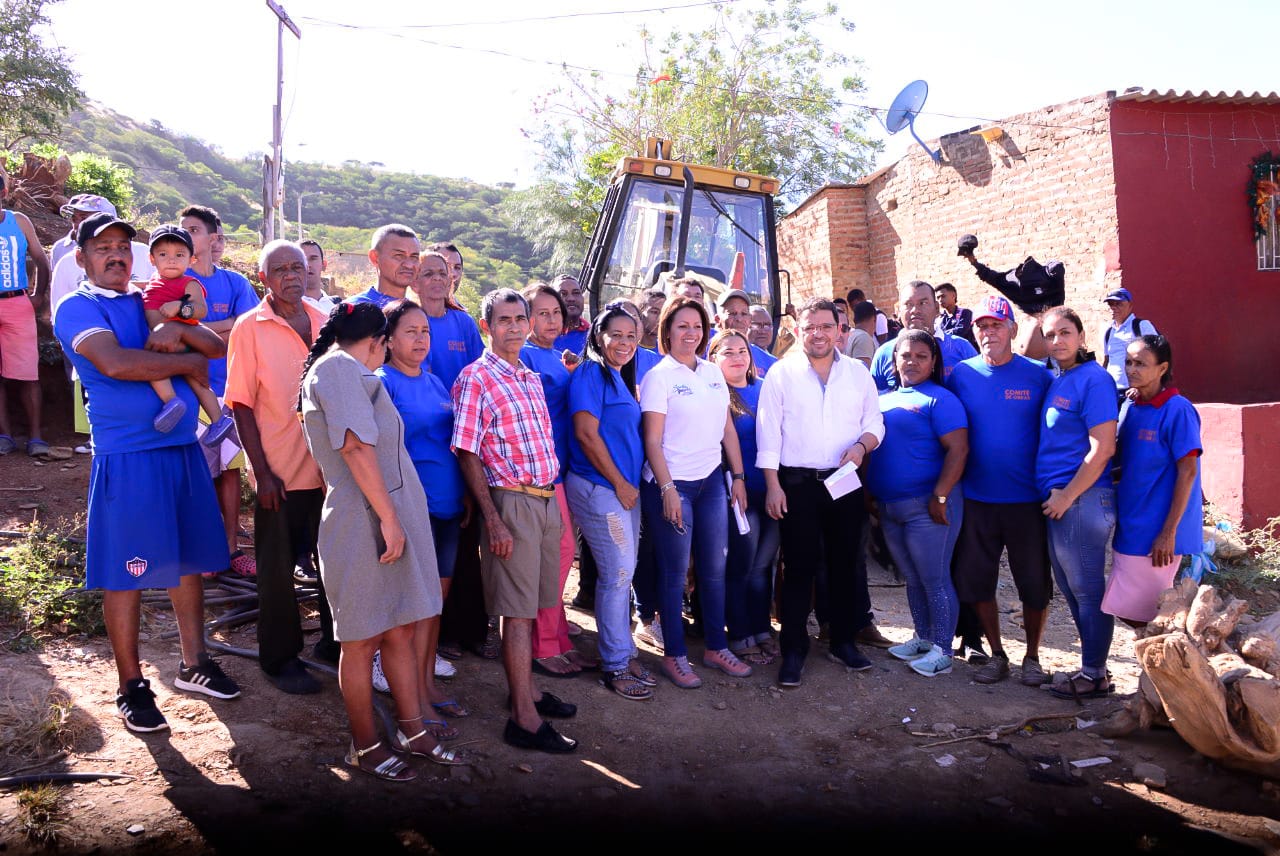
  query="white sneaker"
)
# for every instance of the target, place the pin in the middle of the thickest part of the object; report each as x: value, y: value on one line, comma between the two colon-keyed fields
x: 84, y: 449
x: 935, y: 663
x: 379, y: 679
x: 912, y: 649
x: 445, y: 669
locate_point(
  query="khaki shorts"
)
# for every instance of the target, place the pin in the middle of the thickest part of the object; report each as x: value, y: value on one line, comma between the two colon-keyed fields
x: 530, y: 580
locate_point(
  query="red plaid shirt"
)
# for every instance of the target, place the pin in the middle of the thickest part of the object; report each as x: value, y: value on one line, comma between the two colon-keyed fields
x: 500, y: 415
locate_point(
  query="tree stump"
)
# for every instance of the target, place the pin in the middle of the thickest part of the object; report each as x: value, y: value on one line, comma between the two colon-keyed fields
x: 1211, y: 673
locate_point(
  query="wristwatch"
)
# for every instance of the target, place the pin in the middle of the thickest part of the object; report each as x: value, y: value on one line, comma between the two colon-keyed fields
x: 739, y: 476
x: 942, y: 500
x: 187, y: 309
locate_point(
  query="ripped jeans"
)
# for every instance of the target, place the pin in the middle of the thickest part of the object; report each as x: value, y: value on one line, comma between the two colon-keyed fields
x: 613, y: 534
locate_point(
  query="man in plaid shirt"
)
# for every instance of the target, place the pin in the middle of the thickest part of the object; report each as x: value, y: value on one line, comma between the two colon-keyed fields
x: 502, y: 437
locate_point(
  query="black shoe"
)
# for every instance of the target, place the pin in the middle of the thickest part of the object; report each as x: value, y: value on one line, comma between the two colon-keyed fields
x: 294, y: 679
x: 552, y: 707
x: 138, y: 709
x: 977, y: 654
x: 327, y: 651
x: 584, y: 602
x: 207, y: 677
x: 790, y: 671
x: 847, y: 654
x: 545, y: 739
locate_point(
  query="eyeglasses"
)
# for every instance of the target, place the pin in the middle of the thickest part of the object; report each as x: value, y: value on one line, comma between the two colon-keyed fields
x: 811, y: 329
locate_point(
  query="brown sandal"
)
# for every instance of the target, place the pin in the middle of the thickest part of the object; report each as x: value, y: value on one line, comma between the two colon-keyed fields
x: 755, y: 655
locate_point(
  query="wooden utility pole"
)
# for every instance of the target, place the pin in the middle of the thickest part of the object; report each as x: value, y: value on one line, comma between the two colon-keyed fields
x: 273, y: 168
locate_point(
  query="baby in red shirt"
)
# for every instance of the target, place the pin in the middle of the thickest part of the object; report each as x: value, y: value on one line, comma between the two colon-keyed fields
x: 171, y: 295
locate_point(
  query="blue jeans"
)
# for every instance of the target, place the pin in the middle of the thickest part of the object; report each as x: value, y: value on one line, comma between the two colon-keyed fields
x: 748, y: 576
x: 1078, y: 553
x: 704, y: 511
x: 445, y: 531
x: 613, y: 533
x: 923, y: 549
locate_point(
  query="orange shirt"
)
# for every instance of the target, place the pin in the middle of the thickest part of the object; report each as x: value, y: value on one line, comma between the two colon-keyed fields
x: 264, y: 368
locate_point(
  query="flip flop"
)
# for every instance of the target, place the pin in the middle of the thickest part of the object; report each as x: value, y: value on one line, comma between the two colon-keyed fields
x: 538, y: 667
x: 37, y: 448
x: 7, y: 444
x: 450, y: 707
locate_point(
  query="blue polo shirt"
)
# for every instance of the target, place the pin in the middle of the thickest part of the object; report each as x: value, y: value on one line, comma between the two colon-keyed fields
x: 427, y: 410
x: 372, y: 295
x: 455, y: 344
x: 575, y: 342
x: 119, y: 411
x: 954, y: 351
x: 745, y: 425
x: 1003, y: 405
x: 555, y: 386
x: 645, y: 359
x: 618, y: 412
x: 908, y: 462
x: 763, y: 360
x: 228, y: 295
x: 1153, y: 438
x: 1075, y: 402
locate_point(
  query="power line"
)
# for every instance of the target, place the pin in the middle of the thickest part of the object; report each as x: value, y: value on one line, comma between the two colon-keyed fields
x: 508, y: 21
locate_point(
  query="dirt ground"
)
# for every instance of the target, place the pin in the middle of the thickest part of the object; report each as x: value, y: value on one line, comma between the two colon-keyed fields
x: 844, y: 759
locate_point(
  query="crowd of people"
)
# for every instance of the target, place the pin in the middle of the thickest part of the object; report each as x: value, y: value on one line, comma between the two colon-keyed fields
x: 439, y: 474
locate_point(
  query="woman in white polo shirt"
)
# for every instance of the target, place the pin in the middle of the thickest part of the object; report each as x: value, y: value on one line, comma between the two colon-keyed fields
x: 687, y: 433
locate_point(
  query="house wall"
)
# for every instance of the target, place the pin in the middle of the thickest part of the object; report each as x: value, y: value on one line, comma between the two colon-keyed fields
x: 1187, y: 245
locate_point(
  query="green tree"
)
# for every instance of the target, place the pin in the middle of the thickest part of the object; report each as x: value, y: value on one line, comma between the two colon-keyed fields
x: 749, y: 92
x: 37, y: 86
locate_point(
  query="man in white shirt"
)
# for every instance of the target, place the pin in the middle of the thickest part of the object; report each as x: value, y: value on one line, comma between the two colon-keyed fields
x: 314, y: 291
x: 1125, y: 327
x: 815, y: 416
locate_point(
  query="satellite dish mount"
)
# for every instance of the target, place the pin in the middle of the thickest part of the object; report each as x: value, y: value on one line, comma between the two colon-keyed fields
x: 903, y: 112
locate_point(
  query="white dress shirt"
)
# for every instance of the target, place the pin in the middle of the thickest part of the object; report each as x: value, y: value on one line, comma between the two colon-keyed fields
x: 802, y: 423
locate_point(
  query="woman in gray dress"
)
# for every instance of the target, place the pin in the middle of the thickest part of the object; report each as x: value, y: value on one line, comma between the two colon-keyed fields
x: 377, y: 559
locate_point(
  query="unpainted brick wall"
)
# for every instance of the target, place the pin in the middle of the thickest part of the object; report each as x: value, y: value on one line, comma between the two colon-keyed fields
x: 1046, y: 188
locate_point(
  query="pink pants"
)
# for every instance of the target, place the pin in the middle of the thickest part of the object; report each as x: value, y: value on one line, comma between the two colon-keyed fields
x: 551, y: 627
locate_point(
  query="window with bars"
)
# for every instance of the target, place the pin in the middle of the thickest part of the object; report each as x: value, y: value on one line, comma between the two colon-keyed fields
x: 1269, y: 238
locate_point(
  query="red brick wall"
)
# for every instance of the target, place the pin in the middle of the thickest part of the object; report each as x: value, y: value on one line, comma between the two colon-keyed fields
x: 1045, y: 189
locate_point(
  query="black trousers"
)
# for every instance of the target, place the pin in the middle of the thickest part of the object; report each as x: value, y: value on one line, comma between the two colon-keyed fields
x: 279, y: 538
x: 818, y: 530
x: 464, y: 620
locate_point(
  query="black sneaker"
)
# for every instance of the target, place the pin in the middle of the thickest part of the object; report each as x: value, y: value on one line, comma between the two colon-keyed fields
x: 847, y: 654
x: 293, y: 678
x: 138, y: 709
x: 207, y: 677
x: 791, y: 669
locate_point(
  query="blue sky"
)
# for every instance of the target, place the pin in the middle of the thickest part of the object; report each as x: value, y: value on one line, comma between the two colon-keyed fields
x: 450, y: 100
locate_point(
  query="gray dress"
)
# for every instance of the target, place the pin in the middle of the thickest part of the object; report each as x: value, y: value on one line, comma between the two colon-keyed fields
x: 366, y: 597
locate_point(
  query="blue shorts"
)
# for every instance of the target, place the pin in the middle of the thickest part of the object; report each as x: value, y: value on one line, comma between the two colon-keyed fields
x: 153, y: 518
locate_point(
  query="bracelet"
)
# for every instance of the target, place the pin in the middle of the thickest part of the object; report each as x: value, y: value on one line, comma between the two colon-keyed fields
x: 662, y: 489
x: 865, y: 450
x: 740, y: 477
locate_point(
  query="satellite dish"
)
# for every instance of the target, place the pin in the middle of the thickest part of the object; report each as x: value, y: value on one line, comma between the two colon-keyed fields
x: 903, y: 112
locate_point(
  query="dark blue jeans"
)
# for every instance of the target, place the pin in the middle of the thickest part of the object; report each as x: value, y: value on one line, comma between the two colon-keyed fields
x: 446, y: 531
x: 1078, y: 551
x: 704, y: 508
x: 748, y: 576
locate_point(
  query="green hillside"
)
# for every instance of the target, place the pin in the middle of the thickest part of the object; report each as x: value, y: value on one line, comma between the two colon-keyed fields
x: 341, y: 204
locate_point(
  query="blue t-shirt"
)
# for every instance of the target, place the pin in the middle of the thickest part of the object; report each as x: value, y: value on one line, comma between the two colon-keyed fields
x: 763, y: 360
x: 13, y: 254
x: 745, y: 425
x: 119, y: 411
x: 575, y: 342
x: 555, y: 386
x: 908, y: 462
x: 954, y: 351
x: 228, y: 295
x: 1003, y: 404
x: 1081, y: 399
x: 372, y: 295
x: 645, y: 359
x: 455, y: 344
x: 427, y: 410
x: 619, y: 428
x: 1152, y: 441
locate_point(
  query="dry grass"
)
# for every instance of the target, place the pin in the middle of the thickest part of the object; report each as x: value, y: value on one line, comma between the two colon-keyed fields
x: 34, y: 728
x: 40, y: 814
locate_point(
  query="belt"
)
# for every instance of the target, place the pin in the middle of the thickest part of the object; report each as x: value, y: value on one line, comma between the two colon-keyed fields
x: 5, y: 295
x: 546, y: 492
x: 798, y: 473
